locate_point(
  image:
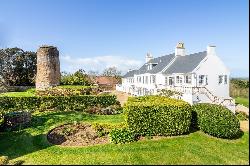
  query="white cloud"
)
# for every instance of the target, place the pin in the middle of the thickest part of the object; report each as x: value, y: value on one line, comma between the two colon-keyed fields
x: 99, y: 63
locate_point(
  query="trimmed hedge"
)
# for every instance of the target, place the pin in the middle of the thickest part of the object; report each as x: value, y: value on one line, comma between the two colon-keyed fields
x: 76, y: 103
x: 215, y: 120
x: 157, y: 115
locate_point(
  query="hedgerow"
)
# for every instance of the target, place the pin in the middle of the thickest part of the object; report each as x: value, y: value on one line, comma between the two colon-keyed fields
x: 73, y: 103
x: 215, y: 120
x: 157, y: 115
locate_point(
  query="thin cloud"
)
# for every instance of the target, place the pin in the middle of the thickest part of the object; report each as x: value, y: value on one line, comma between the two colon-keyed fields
x: 99, y: 63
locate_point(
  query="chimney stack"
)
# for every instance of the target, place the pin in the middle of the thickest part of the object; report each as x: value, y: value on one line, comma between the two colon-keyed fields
x: 211, y: 50
x: 148, y: 57
x: 180, y: 50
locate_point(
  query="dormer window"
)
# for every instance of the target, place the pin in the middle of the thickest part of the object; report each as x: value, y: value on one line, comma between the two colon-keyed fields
x: 151, y: 65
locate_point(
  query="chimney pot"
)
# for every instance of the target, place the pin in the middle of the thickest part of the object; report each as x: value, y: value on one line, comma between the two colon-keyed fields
x: 180, y: 50
x: 211, y: 50
x: 148, y: 57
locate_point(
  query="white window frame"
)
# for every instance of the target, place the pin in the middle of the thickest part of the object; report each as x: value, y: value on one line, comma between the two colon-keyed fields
x: 225, y: 79
x: 220, y: 79
x: 172, y: 80
x: 146, y: 79
x: 188, y: 79
x: 178, y: 79
x: 202, y: 80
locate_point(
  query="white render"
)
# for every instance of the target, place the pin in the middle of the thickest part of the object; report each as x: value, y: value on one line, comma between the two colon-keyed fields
x: 209, y: 80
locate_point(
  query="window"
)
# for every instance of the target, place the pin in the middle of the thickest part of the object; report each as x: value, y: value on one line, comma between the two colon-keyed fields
x: 171, y: 81
x: 143, y: 79
x: 201, y: 79
x: 220, y: 79
x: 225, y: 79
x: 188, y: 79
x: 178, y: 79
x: 146, y: 79
x: 166, y: 80
x: 153, y: 78
x: 149, y: 66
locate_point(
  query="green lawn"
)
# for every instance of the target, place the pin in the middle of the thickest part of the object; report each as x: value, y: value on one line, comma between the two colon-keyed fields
x: 27, y: 93
x: 243, y: 101
x: 31, y: 146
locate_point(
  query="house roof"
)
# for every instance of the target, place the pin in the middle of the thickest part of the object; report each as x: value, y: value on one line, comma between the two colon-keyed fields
x: 186, y: 64
x: 161, y: 62
x: 130, y: 73
x: 181, y: 64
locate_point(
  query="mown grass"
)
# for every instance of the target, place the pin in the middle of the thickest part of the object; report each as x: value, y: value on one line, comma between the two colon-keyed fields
x: 18, y: 94
x: 31, y: 146
x: 243, y: 101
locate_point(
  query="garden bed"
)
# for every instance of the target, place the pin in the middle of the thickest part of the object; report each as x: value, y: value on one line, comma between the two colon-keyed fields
x: 75, y: 135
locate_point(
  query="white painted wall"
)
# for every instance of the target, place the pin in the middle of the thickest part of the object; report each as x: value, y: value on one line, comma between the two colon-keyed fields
x: 213, y: 67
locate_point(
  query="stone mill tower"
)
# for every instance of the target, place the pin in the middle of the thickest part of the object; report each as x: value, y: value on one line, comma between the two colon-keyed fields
x: 48, y: 67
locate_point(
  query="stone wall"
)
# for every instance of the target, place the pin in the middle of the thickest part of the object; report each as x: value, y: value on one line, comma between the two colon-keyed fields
x: 48, y: 67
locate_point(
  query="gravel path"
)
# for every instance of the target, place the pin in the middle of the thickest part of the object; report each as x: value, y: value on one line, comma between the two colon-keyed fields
x: 121, y: 96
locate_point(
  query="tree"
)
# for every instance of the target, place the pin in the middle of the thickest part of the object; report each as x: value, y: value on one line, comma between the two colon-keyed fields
x: 112, y: 71
x: 77, y: 78
x: 17, y: 67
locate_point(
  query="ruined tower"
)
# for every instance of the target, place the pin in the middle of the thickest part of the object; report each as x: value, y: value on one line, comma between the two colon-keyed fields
x: 48, y: 67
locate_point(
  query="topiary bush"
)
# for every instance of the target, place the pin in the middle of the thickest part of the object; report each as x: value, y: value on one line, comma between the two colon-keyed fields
x: 122, y: 135
x: 157, y: 115
x: 216, y: 120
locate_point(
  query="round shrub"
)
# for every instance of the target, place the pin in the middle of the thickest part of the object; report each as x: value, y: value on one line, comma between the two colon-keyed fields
x: 216, y: 120
x: 157, y: 115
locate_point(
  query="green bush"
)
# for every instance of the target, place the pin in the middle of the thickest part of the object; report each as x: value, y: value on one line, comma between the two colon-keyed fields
x: 73, y: 103
x: 77, y: 78
x: 1, y: 119
x: 110, y: 110
x: 122, y: 135
x: 157, y: 115
x: 74, y: 91
x: 105, y: 128
x: 216, y: 120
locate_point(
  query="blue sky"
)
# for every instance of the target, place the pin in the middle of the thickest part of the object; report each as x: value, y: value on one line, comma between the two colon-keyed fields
x: 95, y: 34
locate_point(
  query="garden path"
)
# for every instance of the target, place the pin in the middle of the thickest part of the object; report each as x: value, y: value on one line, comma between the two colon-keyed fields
x: 122, y: 97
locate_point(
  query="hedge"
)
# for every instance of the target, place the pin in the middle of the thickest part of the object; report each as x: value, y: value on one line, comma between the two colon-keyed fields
x: 157, y: 115
x: 77, y: 103
x: 215, y: 120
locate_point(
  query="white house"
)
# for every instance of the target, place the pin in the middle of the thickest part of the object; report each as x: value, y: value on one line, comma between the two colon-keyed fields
x: 201, y: 77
